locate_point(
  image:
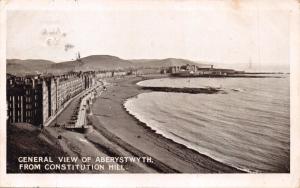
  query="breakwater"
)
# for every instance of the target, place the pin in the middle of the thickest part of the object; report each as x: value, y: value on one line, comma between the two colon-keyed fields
x: 207, y: 90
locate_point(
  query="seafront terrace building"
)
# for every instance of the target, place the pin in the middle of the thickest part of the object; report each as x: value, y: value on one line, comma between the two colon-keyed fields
x: 25, y: 99
x: 108, y: 74
x: 36, y: 99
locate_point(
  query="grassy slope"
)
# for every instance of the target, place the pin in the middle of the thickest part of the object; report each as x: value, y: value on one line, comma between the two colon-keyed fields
x: 28, y: 140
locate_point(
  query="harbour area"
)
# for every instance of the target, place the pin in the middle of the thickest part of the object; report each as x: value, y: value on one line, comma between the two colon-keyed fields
x: 210, y: 71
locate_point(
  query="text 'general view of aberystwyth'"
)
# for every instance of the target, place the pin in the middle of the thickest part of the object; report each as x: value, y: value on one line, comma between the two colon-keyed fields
x: 166, y: 91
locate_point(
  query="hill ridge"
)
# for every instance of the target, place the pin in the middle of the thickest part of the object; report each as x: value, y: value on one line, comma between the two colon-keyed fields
x: 89, y: 63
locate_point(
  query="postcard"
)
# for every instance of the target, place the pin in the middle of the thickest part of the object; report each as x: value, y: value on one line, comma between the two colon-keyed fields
x: 150, y: 93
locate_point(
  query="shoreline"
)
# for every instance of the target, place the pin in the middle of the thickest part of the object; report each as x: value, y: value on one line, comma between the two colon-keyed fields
x: 189, y: 160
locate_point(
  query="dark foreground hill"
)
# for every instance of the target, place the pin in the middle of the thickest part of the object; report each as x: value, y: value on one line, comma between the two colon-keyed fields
x: 27, y: 140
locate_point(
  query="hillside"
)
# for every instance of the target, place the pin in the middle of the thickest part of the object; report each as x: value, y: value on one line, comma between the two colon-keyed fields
x: 28, y: 66
x: 94, y: 62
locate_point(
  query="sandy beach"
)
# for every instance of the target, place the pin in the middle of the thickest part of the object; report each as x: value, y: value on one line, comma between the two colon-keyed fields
x: 112, y: 121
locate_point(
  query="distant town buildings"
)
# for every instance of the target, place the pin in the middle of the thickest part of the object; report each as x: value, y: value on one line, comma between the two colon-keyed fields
x: 203, y: 71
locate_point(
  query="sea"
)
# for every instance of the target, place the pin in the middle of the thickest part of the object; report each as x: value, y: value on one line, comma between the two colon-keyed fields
x: 246, y: 126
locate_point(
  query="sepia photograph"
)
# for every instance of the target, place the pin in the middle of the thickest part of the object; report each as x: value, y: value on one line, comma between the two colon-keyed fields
x: 149, y: 87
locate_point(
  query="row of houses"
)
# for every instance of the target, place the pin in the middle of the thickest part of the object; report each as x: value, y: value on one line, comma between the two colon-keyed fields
x: 35, y: 99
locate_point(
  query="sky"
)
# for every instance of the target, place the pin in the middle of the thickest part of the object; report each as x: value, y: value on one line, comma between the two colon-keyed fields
x: 248, y: 34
